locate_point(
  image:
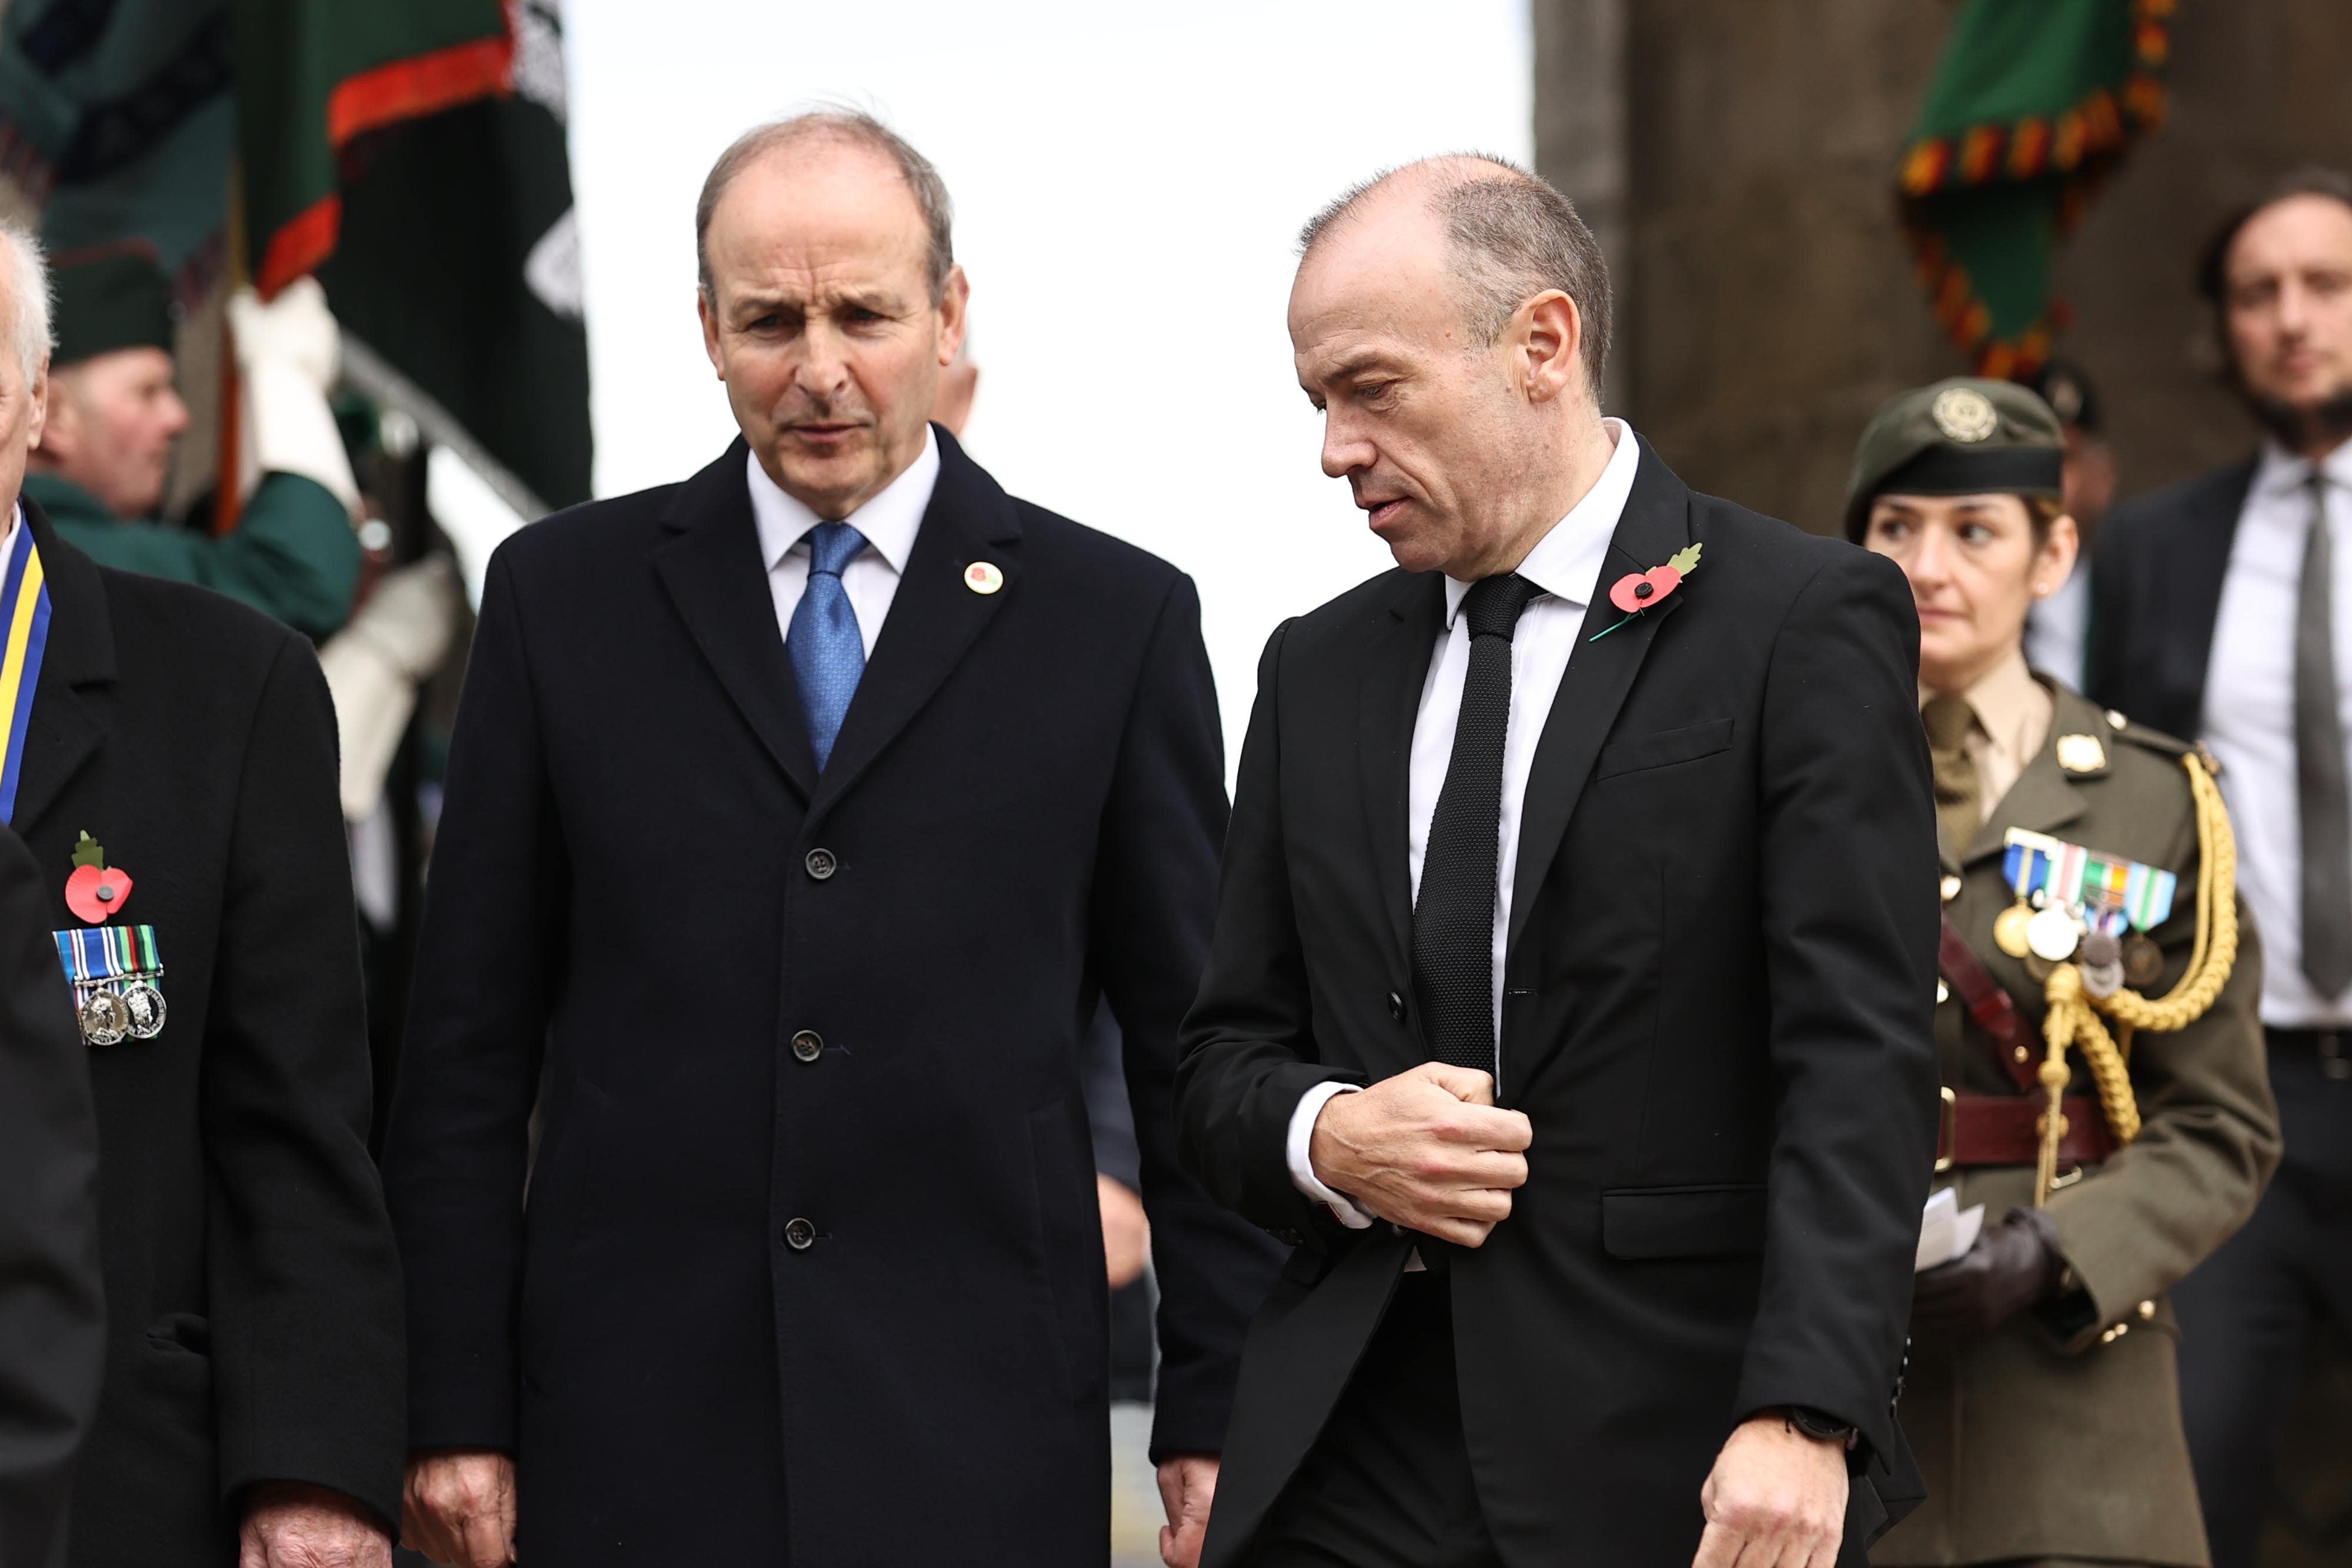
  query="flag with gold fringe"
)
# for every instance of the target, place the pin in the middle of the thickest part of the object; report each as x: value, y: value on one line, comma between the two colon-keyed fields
x: 2034, y: 104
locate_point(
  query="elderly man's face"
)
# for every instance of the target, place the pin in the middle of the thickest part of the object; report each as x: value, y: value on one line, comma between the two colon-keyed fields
x: 2288, y: 304
x: 821, y: 320
x: 24, y: 409
x: 1424, y: 423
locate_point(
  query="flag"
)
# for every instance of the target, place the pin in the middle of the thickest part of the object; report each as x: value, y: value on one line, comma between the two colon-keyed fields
x: 2034, y: 105
x: 410, y: 153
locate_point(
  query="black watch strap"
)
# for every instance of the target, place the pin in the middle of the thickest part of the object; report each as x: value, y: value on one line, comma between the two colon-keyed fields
x: 1817, y: 1426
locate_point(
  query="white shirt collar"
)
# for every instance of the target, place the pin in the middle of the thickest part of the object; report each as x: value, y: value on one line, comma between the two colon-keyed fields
x: 889, y: 521
x: 2281, y: 471
x: 8, y: 540
x: 1566, y: 562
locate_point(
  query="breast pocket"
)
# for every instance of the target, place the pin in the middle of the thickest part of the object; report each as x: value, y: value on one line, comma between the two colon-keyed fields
x: 1663, y: 749
x: 1712, y: 1221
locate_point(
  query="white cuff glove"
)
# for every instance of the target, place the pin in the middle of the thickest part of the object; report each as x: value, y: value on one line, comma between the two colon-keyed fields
x: 288, y: 351
x: 373, y: 664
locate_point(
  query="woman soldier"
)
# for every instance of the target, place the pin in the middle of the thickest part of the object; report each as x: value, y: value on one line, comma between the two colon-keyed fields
x: 2105, y: 1100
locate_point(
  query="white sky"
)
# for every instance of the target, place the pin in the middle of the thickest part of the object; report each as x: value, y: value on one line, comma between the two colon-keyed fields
x: 1127, y: 181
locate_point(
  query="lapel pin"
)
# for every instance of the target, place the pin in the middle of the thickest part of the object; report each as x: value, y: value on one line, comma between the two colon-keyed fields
x: 1639, y: 591
x: 984, y: 577
x: 2081, y: 753
x: 96, y: 890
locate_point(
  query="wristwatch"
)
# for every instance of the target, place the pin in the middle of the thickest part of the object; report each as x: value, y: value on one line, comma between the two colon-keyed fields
x: 1821, y: 1427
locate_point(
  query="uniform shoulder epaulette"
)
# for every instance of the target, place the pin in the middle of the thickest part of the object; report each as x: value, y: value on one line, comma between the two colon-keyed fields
x: 2155, y: 740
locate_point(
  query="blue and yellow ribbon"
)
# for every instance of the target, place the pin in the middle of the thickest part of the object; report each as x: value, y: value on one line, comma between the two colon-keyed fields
x: 24, y: 637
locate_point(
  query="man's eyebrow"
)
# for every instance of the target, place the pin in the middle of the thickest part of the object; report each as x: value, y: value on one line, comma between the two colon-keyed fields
x: 1357, y: 362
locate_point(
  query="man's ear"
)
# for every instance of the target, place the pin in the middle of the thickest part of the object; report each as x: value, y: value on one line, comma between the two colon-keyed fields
x: 709, y: 315
x: 57, y: 415
x: 955, y: 298
x: 36, y: 395
x: 1551, y: 340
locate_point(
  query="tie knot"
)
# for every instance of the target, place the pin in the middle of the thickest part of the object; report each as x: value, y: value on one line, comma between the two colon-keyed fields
x: 831, y: 546
x: 1494, y: 604
x: 1947, y: 719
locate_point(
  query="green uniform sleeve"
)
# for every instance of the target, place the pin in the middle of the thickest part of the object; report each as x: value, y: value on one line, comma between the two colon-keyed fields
x: 293, y: 555
x: 2209, y: 1140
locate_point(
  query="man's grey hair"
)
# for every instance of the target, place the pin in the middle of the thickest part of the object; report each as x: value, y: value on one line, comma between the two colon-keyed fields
x: 28, y: 294
x: 853, y: 126
x: 1512, y: 236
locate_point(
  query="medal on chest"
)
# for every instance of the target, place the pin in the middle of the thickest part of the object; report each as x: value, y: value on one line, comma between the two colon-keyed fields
x: 2072, y: 901
x: 115, y: 970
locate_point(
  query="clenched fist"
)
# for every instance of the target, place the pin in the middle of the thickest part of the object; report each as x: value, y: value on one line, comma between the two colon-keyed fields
x: 1426, y: 1150
x: 460, y: 1507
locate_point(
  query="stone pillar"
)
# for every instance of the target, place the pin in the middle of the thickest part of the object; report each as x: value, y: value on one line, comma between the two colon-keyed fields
x: 1738, y: 161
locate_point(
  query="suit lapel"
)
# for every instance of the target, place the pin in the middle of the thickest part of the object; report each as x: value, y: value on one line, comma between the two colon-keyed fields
x: 712, y: 567
x: 2202, y: 564
x: 1396, y: 667
x: 64, y: 730
x: 935, y: 616
x: 1655, y: 524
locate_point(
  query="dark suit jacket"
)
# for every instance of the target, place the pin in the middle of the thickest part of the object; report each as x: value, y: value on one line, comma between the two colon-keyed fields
x: 2154, y: 595
x: 252, y: 1289
x: 1717, y: 1014
x: 52, y: 1321
x: 812, y: 1265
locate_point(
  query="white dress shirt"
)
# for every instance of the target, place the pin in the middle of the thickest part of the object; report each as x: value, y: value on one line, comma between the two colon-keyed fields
x: 1566, y: 564
x: 888, y: 522
x: 2250, y: 711
x: 8, y: 539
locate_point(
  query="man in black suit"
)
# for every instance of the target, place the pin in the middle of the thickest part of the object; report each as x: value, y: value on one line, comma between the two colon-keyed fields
x: 1629, y: 779
x: 2220, y: 616
x: 52, y: 1321
x: 798, y: 815
x: 177, y: 791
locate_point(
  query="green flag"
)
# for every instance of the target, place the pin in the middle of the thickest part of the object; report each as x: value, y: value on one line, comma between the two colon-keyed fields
x: 2034, y: 104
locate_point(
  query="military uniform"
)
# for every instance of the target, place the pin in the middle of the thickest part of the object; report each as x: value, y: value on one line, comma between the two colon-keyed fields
x: 2056, y: 1438
x: 293, y: 555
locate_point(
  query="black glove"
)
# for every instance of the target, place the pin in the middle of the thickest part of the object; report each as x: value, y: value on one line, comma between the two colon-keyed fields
x: 2013, y: 1266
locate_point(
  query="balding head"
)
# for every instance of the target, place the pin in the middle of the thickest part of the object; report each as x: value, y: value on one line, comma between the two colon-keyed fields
x: 834, y: 127
x: 1509, y: 235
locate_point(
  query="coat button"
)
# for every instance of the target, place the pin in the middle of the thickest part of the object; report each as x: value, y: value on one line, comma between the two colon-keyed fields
x: 807, y: 1045
x: 1396, y: 1006
x: 799, y: 1235
x: 821, y: 863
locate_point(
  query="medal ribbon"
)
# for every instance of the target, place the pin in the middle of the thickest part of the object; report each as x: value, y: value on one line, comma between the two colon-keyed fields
x: 108, y: 953
x: 2113, y: 892
x: 24, y: 637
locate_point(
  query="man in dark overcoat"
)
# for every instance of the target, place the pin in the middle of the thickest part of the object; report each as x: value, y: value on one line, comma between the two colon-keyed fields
x: 797, y: 817
x: 174, y: 774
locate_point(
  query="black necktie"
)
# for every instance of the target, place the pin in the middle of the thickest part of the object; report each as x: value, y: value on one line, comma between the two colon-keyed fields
x: 1454, y: 923
x: 2319, y: 765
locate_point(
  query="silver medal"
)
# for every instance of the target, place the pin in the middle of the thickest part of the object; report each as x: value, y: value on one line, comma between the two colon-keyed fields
x: 105, y: 1018
x: 143, y: 1005
x: 2053, y: 933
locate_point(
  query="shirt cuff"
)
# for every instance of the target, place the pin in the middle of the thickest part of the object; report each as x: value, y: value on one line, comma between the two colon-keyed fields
x: 1344, y: 1209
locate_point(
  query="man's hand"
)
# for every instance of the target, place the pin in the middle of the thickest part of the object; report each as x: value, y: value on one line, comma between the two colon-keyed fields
x: 1188, y: 1484
x: 1776, y: 1498
x: 291, y: 1524
x: 460, y: 1507
x: 1426, y: 1150
x: 1127, y: 1235
x: 2015, y: 1265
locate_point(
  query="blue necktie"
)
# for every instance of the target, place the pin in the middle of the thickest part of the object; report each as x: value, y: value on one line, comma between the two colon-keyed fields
x: 827, y: 653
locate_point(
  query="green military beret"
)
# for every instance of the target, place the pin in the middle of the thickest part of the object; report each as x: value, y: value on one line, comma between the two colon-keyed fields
x: 1958, y: 437
x: 115, y: 299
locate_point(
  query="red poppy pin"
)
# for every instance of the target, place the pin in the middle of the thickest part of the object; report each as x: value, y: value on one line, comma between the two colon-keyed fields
x: 95, y: 890
x: 1639, y: 591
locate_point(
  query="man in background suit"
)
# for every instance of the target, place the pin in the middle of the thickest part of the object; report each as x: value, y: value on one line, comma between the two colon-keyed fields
x: 52, y: 1321
x: 797, y: 816
x: 1628, y: 781
x: 2223, y: 613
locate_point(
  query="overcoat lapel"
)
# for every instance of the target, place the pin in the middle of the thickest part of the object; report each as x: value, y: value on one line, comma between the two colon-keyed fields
x: 65, y: 729
x: 935, y: 616
x: 1396, y: 666
x: 1656, y: 523
x: 713, y: 570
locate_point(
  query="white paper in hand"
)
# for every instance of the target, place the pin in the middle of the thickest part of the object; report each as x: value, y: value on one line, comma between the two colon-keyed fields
x: 1945, y: 1231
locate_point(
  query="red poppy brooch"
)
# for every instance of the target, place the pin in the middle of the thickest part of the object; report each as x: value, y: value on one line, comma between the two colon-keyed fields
x: 1639, y: 591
